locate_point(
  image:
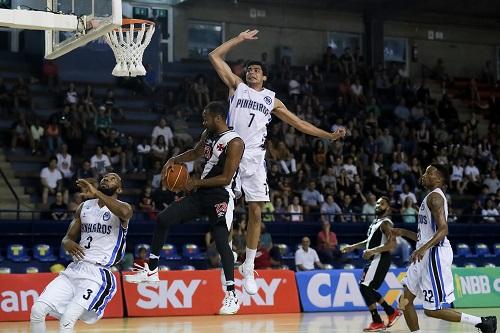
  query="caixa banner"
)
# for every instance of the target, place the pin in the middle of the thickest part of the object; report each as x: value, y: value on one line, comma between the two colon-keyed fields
x: 338, y: 290
x: 18, y: 292
x: 201, y: 293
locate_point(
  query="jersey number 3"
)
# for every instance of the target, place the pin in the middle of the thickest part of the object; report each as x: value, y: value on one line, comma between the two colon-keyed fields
x: 89, y: 292
x: 251, y: 120
x: 88, y: 244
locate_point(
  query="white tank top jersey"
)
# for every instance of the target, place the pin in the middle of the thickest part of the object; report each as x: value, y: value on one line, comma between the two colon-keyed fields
x: 215, y: 156
x: 102, y: 234
x: 250, y: 113
x: 427, y: 226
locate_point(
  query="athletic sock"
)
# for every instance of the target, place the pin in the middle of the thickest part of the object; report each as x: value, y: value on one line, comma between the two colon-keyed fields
x: 375, y: 316
x: 470, y: 319
x: 417, y: 331
x: 153, y: 262
x: 250, y: 257
x: 389, y: 310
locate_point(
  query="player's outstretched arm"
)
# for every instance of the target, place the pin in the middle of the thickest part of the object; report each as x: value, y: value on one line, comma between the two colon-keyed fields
x: 390, y: 244
x: 217, y: 56
x: 234, y: 151
x: 288, y: 117
x: 399, y: 232
x: 187, y: 156
x: 69, y: 242
x: 352, y: 247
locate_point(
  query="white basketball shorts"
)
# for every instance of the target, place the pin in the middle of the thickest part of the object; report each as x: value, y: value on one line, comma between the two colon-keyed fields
x: 431, y: 279
x: 252, y: 177
x: 89, y: 285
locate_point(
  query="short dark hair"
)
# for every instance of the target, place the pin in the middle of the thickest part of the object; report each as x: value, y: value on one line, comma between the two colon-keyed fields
x: 217, y: 108
x: 52, y: 158
x: 257, y: 63
x: 443, y: 171
x: 386, y: 199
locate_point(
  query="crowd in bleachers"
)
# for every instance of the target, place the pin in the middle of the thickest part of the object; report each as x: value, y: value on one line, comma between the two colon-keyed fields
x: 395, y: 129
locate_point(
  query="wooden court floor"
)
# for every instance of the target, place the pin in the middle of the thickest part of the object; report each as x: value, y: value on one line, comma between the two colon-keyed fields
x: 326, y: 322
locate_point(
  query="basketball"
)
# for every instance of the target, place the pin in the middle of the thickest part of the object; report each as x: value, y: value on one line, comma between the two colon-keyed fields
x: 176, y: 177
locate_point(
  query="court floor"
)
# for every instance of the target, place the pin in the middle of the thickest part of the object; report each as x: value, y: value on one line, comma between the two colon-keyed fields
x: 326, y: 322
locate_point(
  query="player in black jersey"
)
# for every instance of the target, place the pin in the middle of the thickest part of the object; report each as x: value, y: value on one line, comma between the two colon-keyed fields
x: 378, y: 246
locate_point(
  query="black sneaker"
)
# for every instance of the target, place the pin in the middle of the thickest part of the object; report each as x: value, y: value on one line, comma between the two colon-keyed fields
x: 488, y: 324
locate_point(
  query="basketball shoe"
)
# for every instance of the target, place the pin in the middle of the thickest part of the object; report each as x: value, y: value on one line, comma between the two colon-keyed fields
x: 249, y: 283
x: 143, y: 274
x: 375, y: 327
x: 391, y: 320
x: 488, y: 324
x: 230, y: 304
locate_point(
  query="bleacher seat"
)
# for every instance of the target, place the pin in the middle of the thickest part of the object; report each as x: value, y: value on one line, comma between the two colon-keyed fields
x: 490, y: 265
x: 470, y: 265
x: 349, y: 266
x: 43, y: 252
x: 327, y: 266
x: 31, y: 270
x: 482, y: 250
x: 463, y: 251
x: 4, y: 270
x: 191, y: 251
x: 284, y: 267
x: 138, y: 247
x: 169, y: 252
x: 163, y: 268
x: 496, y: 249
x: 64, y: 255
x: 17, y: 253
x: 188, y: 268
x: 393, y: 266
x: 285, y: 251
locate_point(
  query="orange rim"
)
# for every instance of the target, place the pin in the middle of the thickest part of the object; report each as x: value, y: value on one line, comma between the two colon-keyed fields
x: 126, y: 22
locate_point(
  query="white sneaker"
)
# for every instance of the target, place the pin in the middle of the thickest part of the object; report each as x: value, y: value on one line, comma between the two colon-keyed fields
x: 143, y: 275
x: 222, y: 276
x: 230, y: 304
x: 249, y: 283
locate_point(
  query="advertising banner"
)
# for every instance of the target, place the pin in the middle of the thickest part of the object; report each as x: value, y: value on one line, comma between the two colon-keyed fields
x: 18, y: 292
x: 476, y: 287
x: 338, y: 290
x: 201, y: 293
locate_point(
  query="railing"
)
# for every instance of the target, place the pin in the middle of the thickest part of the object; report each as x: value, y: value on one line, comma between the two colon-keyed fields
x: 18, y: 202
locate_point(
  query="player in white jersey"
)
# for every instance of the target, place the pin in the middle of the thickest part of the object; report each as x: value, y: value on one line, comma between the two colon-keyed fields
x: 429, y: 276
x: 83, y: 290
x: 378, y: 246
x: 214, y: 198
x: 250, y: 112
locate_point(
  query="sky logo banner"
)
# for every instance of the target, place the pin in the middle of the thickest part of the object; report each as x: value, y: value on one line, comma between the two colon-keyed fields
x: 338, y: 290
x: 476, y: 287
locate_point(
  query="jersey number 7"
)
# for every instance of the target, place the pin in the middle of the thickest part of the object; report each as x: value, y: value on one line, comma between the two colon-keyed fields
x: 251, y: 120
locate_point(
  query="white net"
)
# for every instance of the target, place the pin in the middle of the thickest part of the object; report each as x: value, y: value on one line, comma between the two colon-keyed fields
x: 128, y: 43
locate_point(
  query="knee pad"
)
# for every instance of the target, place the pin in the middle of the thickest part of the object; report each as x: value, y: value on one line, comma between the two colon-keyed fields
x: 369, y: 295
x: 39, y: 311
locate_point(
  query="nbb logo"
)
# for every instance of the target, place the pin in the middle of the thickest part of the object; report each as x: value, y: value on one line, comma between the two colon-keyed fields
x: 476, y: 284
x: 339, y: 290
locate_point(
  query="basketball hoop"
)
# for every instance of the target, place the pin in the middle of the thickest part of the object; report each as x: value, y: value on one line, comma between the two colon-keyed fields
x: 128, y: 43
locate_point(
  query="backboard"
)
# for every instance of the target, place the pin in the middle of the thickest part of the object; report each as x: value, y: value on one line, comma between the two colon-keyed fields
x: 95, y: 19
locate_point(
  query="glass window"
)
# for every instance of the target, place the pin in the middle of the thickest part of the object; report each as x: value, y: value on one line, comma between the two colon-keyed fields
x: 340, y: 41
x: 395, y: 49
x: 203, y: 37
x: 5, y: 4
x: 140, y: 13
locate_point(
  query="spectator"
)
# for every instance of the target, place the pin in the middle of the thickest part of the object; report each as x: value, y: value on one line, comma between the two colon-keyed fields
x: 143, y: 151
x: 65, y: 165
x: 330, y: 210
x: 75, y: 202
x: 407, y: 194
x: 400, y: 165
x: 181, y: 133
x: 350, y: 168
x: 22, y: 95
x: 165, y: 130
x: 85, y: 171
x: 306, y: 258
x: 201, y: 92
x: 492, y: 182
x: 142, y: 256
x: 114, y: 150
x: 20, y: 133
x: 268, y: 212
x: 470, y: 214
x: 59, y: 210
x: 328, y: 250
x: 279, y: 210
x: 159, y: 150
x: 71, y: 95
x: 490, y: 213
x: 295, y: 210
x: 285, y: 158
x: 408, y: 212
x: 294, y: 89
x: 417, y: 112
x: 319, y: 156
x: 311, y: 198
x: 348, y: 209
x: 329, y: 179
x: 100, y: 163
x: 368, y: 211
x: 472, y: 174
x: 37, y: 131
x: 102, y: 122
x: 239, y: 235
x: 268, y: 256
x: 386, y: 142
x: 51, y: 179
x: 147, y: 204
x: 50, y: 73
x: 109, y: 104
x: 380, y: 185
x: 457, y: 176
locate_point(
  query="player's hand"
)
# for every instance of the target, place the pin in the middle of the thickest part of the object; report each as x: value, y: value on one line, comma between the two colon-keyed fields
x: 248, y: 34
x: 191, y: 184
x: 339, y: 133
x: 347, y: 249
x: 417, y: 255
x: 367, y: 254
x: 74, y: 249
x: 167, y: 166
x: 87, y: 189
